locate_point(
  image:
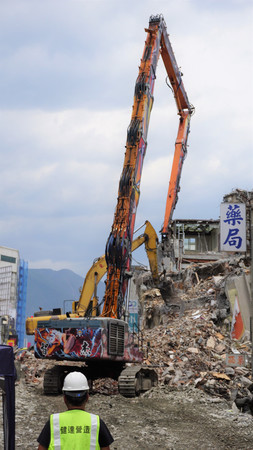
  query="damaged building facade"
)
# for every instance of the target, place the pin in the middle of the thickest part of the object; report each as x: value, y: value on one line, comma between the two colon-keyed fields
x: 196, y: 255
x: 196, y: 241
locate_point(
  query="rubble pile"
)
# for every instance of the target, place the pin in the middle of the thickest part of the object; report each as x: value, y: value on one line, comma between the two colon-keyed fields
x: 191, y: 350
x: 191, y: 343
x: 29, y: 368
x: 105, y: 386
x: 32, y: 370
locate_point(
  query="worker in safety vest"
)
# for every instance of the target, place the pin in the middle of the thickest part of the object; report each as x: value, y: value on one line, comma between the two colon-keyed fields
x: 75, y: 428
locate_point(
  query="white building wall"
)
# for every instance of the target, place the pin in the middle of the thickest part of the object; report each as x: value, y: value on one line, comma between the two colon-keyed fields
x: 9, y: 266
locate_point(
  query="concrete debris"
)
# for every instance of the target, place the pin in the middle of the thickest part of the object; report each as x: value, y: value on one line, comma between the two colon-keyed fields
x: 162, y: 418
x: 186, y: 338
x: 191, y: 349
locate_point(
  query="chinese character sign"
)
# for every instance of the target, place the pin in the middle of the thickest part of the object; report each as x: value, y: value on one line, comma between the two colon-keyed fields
x: 233, y: 227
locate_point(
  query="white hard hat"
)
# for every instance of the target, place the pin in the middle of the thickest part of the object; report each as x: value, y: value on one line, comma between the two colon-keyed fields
x: 75, y: 383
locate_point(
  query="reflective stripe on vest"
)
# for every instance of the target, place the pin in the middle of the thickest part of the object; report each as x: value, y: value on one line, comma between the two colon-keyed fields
x: 56, y: 428
x: 74, y: 429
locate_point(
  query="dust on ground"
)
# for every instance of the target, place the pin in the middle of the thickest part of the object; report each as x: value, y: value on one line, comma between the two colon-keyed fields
x: 163, y: 418
x: 194, y: 405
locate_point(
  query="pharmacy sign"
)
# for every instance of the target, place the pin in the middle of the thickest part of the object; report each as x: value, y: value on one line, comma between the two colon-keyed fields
x: 233, y: 227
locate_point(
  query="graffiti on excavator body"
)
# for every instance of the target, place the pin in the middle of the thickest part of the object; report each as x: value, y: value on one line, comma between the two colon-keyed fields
x: 70, y: 343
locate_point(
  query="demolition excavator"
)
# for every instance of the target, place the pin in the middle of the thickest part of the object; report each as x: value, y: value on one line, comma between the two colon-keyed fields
x: 104, y: 343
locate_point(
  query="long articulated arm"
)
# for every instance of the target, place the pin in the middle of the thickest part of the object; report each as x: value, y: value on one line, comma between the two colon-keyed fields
x: 118, y: 247
x: 177, y: 165
x: 185, y: 110
x: 87, y: 301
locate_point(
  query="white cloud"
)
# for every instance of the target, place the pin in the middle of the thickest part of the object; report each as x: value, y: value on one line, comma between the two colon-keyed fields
x: 67, y: 76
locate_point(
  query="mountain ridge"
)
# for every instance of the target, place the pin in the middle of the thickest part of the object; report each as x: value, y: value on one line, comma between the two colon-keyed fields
x: 48, y: 288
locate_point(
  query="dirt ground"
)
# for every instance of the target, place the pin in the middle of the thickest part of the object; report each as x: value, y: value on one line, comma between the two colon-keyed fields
x: 164, y: 418
x: 191, y: 409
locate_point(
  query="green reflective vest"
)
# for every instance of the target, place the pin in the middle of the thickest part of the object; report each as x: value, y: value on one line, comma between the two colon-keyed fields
x: 74, y: 430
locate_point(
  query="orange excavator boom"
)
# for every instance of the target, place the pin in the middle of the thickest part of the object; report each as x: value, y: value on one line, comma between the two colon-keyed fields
x: 118, y: 247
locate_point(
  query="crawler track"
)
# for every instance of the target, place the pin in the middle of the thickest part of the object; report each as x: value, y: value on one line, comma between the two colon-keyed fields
x: 136, y: 379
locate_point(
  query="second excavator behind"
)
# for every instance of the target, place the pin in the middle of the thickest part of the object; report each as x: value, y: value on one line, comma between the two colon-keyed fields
x: 104, y: 343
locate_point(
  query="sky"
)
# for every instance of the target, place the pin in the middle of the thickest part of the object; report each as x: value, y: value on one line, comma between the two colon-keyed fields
x: 67, y: 76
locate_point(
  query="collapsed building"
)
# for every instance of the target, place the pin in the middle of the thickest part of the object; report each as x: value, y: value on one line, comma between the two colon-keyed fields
x: 197, y: 243
x: 196, y: 321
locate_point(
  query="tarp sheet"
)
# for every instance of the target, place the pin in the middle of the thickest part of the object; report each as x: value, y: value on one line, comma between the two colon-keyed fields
x: 7, y: 370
